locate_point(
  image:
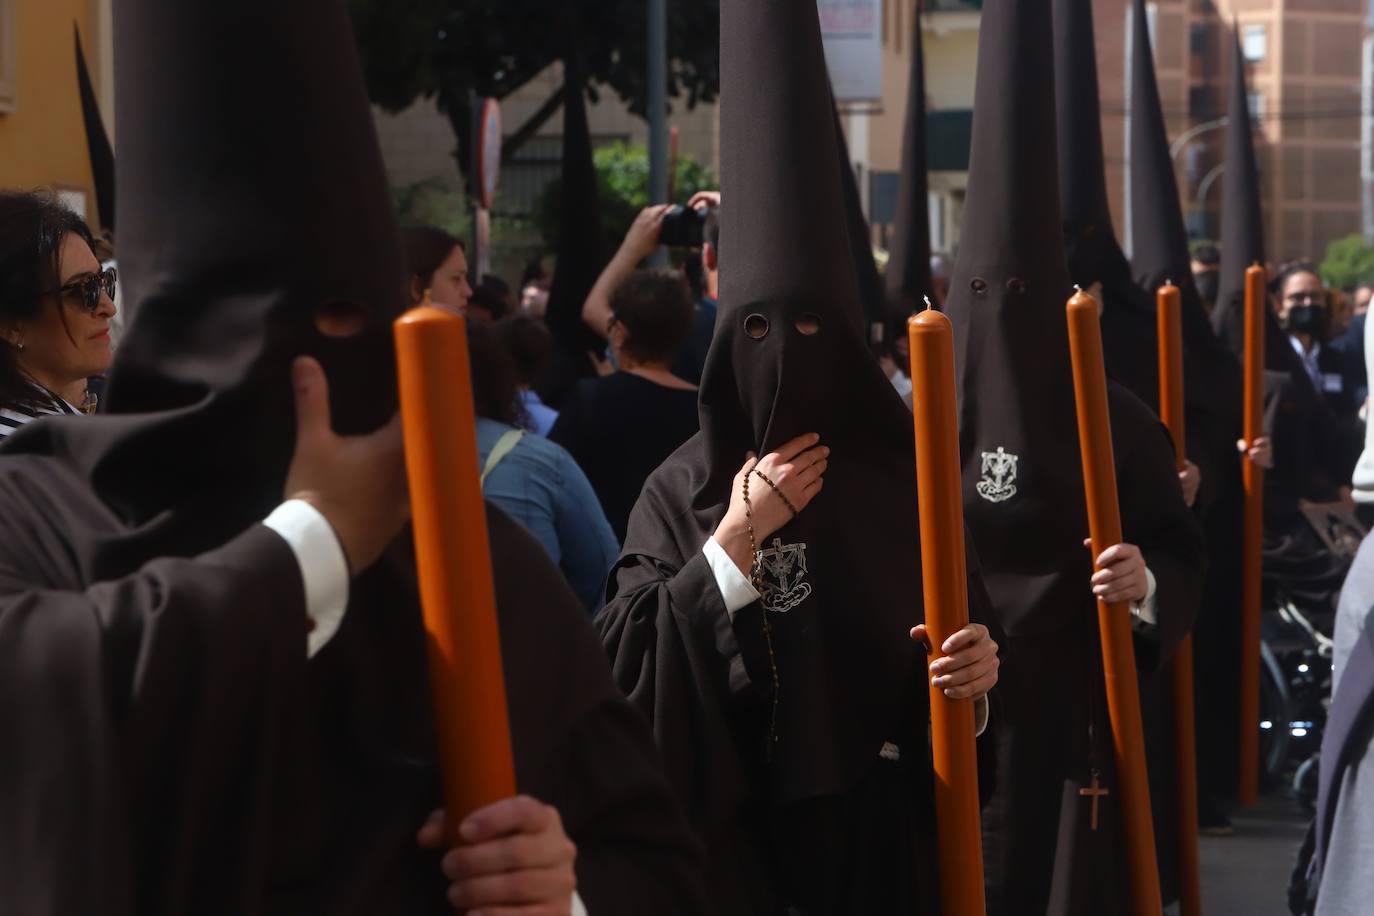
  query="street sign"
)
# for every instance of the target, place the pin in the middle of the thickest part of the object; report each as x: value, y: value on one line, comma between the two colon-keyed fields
x: 488, y: 152
x: 852, y: 33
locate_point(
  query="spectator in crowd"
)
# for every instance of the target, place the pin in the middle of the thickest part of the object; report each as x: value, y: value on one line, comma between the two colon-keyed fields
x: 620, y: 427
x: 1342, y: 311
x: 1351, y: 343
x: 1345, y: 806
x: 534, y: 481
x: 692, y: 357
x: 530, y: 344
x: 491, y: 299
x: 640, y: 241
x: 1302, y: 312
x: 534, y: 299
x: 55, y: 309
x: 436, y: 262
x: 1310, y: 412
x: 1364, y: 291
x: 940, y: 269
x: 1206, y: 274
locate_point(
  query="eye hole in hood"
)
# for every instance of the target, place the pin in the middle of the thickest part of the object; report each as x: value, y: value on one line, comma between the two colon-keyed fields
x: 756, y: 326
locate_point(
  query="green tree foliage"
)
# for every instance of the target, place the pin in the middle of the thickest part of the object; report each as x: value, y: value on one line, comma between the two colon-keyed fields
x: 434, y: 202
x: 455, y: 49
x: 622, y: 178
x: 1349, y: 262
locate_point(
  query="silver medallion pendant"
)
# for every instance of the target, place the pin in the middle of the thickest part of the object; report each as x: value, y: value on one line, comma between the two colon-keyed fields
x: 782, y: 568
x: 999, y: 476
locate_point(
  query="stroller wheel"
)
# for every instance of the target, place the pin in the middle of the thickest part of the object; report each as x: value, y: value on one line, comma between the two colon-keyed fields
x: 1274, y: 716
x: 1305, y: 784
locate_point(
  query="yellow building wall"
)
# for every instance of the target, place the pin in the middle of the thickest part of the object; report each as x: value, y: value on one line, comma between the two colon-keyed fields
x: 43, y: 140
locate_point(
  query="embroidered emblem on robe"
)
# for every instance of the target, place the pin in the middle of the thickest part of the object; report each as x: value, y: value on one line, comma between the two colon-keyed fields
x: 999, y: 476
x: 784, y: 573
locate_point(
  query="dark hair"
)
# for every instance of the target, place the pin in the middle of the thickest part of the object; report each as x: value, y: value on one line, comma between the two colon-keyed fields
x: 1289, y: 269
x: 1207, y: 254
x: 496, y: 287
x: 529, y: 344
x: 33, y: 225
x: 491, y: 295
x: 655, y: 309
x: 495, y: 383
x: 534, y: 273
x: 710, y: 232
x: 426, y: 247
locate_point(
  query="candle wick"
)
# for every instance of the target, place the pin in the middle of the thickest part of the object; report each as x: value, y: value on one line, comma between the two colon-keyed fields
x: 929, y: 305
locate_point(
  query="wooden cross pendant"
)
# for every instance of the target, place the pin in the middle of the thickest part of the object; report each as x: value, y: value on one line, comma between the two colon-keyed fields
x: 1095, y: 792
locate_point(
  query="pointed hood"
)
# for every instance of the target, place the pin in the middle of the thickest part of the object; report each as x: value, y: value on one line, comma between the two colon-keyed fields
x: 1213, y: 378
x: 908, y: 267
x: 1091, y: 246
x: 787, y: 250
x: 581, y: 250
x: 1242, y: 233
x: 1159, y: 240
x: 252, y: 202
x: 1090, y: 241
x: 97, y: 141
x: 1242, y: 221
x: 789, y: 358
x: 860, y: 239
x: 1023, y: 488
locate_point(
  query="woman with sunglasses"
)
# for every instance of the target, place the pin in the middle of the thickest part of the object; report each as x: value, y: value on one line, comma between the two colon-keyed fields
x: 55, y: 310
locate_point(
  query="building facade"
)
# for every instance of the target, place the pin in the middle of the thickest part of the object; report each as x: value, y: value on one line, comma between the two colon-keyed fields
x: 42, y: 135
x: 1304, y: 66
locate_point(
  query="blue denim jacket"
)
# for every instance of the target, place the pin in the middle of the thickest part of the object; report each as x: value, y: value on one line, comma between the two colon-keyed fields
x: 540, y: 486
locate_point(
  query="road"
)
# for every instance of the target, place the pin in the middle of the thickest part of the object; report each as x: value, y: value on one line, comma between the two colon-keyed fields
x: 1247, y: 874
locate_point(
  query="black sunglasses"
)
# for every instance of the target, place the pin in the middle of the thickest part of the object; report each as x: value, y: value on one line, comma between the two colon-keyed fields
x: 90, y: 287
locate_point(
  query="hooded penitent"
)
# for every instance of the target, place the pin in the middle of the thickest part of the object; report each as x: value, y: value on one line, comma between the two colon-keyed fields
x: 581, y: 254
x: 1022, y: 481
x: 1213, y: 381
x: 179, y: 752
x: 1023, y: 493
x: 97, y: 141
x: 841, y: 581
x: 908, y: 267
x: 766, y: 382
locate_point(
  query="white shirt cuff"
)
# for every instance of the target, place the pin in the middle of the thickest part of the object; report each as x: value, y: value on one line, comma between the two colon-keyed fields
x: 735, y: 587
x: 1144, y: 610
x: 578, y: 907
x: 324, y: 568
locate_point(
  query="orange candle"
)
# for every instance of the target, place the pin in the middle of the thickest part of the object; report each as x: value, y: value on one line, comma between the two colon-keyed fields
x: 1252, y: 544
x: 1114, y: 621
x: 453, y: 557
x: 940, y: 503
x: 1170, y: 326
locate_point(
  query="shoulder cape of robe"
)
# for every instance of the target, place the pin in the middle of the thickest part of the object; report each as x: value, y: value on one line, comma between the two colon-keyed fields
x: 171, y: 751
